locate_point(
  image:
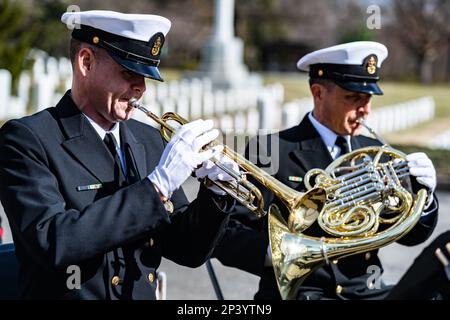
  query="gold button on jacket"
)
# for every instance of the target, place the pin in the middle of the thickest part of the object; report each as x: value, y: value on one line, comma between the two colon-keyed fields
x: 115, y: 281
x: 338, y: 289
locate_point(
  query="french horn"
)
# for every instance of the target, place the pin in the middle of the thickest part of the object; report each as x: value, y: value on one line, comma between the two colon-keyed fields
x: 355, y: 195
x: 362, y: 201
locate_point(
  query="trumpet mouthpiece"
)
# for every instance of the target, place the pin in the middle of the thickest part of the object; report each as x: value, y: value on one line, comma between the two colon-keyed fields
x: 360, y: 120
x: 133, y: 102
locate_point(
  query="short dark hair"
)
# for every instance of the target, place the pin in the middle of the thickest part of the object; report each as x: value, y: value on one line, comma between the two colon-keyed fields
x: 327, y: 83
x: 77, y: 45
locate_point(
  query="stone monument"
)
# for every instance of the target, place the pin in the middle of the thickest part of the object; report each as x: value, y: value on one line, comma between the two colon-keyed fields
x: 222, y: 56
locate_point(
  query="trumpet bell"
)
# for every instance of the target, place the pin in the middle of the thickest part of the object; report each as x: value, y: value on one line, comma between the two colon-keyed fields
x: 239, y: 188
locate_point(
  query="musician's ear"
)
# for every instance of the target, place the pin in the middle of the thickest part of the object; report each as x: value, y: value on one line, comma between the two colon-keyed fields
x: 84, y: 60
x: 318, y: 91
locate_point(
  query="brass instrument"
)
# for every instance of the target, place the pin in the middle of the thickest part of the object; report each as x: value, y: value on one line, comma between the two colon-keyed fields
x: 346, y: 199
x: 240, y: 188
x: 350, y: 199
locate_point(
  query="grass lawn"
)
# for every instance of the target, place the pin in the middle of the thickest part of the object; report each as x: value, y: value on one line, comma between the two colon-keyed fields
x: 398, y: 92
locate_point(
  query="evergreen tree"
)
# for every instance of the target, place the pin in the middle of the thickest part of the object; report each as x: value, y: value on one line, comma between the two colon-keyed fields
x: 15, y: 38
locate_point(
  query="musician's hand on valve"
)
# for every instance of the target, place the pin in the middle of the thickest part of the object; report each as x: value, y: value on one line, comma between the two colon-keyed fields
x: 421, y: 167
x: 183, y: 154
x: 213, y: 172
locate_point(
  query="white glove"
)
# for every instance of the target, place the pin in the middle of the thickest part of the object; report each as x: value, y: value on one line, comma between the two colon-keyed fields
x: 214, y: 173
x: 183, y: 154
x: 422, y: 168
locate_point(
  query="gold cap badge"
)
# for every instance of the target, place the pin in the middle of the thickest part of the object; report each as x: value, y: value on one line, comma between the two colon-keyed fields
x: 156, y: 46
x: 372, y: 65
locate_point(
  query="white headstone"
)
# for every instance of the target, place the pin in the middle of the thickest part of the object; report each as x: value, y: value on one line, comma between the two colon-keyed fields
x: 182, y: 106
x: 167, y: 106
x: 240, y: 99
x: 219, y: 102
x: 38, y: 69
x: 207, y: 84
x: 268, y: 112
x: 240, y: 122
x: 195, y: 99
x: 208, y: 104
x: 252, y: 120
x: 149, y: 94
x: 5, y: 92
x: 226, y: 123
x: 65, y: 68
x: 23, y: 90
x: 174, y: 89
x: 162, y: 92
x: 230, y: 101
x: 290, y: 114
x: 43, y: 90
x: 52, y: 66
x: 185, y: 87
x: 16, y: 109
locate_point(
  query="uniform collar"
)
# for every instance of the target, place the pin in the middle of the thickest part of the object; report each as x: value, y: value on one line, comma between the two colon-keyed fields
x: 328, y: 136
x: 115, y: 130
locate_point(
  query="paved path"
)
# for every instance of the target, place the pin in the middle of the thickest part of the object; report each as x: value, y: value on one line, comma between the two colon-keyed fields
x: 194, y: 284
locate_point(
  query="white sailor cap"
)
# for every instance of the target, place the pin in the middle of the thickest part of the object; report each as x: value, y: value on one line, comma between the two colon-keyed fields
x: 354, y: 66
x: 133, y: 40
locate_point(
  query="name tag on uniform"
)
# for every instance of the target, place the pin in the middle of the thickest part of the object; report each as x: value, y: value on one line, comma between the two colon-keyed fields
x: 295, y: 179
x: 90, y: 187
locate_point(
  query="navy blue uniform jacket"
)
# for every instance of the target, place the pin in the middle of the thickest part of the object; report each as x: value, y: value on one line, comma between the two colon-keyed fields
x: 244, y: 245
x: 105, y: 232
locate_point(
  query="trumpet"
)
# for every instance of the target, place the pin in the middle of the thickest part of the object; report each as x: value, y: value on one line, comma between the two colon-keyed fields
x: 239, y: 188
